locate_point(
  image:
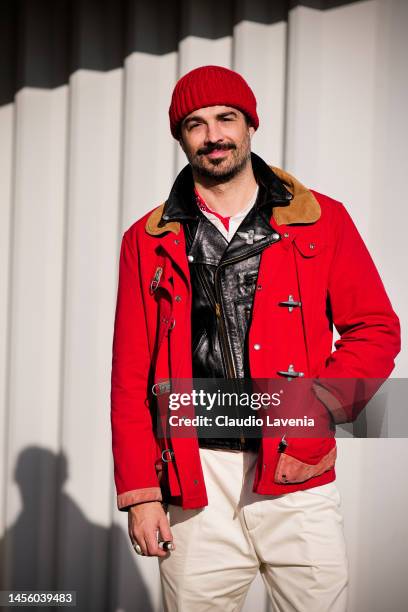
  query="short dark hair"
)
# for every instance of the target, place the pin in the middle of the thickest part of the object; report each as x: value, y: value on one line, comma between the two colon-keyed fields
x: 247, y: 119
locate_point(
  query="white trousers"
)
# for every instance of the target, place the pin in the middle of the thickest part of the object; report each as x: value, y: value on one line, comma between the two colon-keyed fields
x: 295, y: 540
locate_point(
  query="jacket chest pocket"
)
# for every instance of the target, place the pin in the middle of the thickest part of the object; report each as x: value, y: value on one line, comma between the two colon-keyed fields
x: 310, y: 246
x: 312, y: 268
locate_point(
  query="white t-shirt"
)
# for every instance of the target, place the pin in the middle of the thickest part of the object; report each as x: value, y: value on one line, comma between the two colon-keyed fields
x: 234, y: 220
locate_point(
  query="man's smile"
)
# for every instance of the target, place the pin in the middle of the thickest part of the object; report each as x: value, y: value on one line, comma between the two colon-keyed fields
x: 218, y: 153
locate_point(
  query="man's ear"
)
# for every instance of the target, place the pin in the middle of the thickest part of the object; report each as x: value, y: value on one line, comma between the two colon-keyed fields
x: 251, y: 131
x: 181, y: 143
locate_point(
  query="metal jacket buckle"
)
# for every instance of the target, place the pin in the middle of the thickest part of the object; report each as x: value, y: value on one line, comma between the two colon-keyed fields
x: 290, y: 303
x: 171, y: 454
x: 160, y: 388
x: 156, y: 279
x: 291, y: 373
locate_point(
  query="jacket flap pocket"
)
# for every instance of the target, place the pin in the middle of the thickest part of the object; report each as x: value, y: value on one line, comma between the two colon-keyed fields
x: 310, y: 246
x: 291, y: 470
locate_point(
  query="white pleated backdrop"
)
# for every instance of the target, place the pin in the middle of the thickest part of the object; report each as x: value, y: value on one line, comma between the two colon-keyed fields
x: 85, y: 150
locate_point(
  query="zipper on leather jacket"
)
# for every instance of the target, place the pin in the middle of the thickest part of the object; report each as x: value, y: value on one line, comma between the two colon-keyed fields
x: 219, y: 307
x: 225, y: 350
x: 228, y: 360
x: 227, y: 357
x: 229, y: 363
x: 226, y: 353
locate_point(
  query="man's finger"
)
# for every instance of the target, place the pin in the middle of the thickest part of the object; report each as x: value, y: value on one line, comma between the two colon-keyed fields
x: 152, y: 544
x: 165, y: 531
x: 143, y: 545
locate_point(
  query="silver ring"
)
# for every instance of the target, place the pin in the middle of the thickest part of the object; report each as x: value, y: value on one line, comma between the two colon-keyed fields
x: 138, y: 548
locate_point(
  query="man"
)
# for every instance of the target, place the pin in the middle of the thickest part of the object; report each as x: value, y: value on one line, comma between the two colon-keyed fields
x: 240, y: 274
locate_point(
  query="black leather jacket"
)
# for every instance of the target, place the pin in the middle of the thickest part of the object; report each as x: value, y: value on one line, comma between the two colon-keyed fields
x: 224, y: 275
x: 223, y: 278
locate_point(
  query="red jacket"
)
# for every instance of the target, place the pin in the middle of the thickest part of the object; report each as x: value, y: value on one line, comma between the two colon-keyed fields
x: 321, y: 256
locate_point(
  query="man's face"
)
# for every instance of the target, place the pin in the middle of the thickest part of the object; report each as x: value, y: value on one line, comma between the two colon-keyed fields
x: 216, y: 141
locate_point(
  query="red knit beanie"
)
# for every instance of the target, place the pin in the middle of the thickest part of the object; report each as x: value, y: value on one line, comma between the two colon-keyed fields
x: 210, y: 86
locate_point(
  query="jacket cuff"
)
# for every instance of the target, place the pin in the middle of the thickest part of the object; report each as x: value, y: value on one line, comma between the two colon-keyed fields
x: 332, y: 404
x: 137, y: 496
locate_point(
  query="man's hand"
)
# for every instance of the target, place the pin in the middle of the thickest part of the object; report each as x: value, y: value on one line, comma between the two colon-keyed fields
x: 144, y: 520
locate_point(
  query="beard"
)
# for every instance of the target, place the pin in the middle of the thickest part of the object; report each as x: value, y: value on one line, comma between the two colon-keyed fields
x: 221, y: 169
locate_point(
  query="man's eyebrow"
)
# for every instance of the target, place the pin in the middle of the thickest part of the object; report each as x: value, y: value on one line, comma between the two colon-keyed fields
x: 231, y: 112
x: 218, y: 116
x: 193, y: 118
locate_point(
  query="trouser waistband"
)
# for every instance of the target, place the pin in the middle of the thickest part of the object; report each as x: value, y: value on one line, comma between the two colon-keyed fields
x: 230, y: 443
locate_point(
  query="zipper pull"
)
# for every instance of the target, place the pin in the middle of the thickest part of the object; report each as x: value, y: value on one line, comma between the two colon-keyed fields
x: 282, y: 444
x: 217, y: 309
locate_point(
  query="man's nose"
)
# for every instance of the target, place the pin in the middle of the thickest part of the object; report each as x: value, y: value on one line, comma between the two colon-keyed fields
x: 213, y: 133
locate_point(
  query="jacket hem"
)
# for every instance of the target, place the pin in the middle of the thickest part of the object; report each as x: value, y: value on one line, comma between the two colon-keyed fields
x: 278, y: 489
x: 137, y: 496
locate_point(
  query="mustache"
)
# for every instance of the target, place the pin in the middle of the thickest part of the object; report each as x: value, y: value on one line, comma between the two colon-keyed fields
x: 216, y: 147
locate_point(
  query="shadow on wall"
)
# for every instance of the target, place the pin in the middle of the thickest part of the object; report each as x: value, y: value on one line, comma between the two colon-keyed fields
x: 53, y: 546
x: 42, y: 42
